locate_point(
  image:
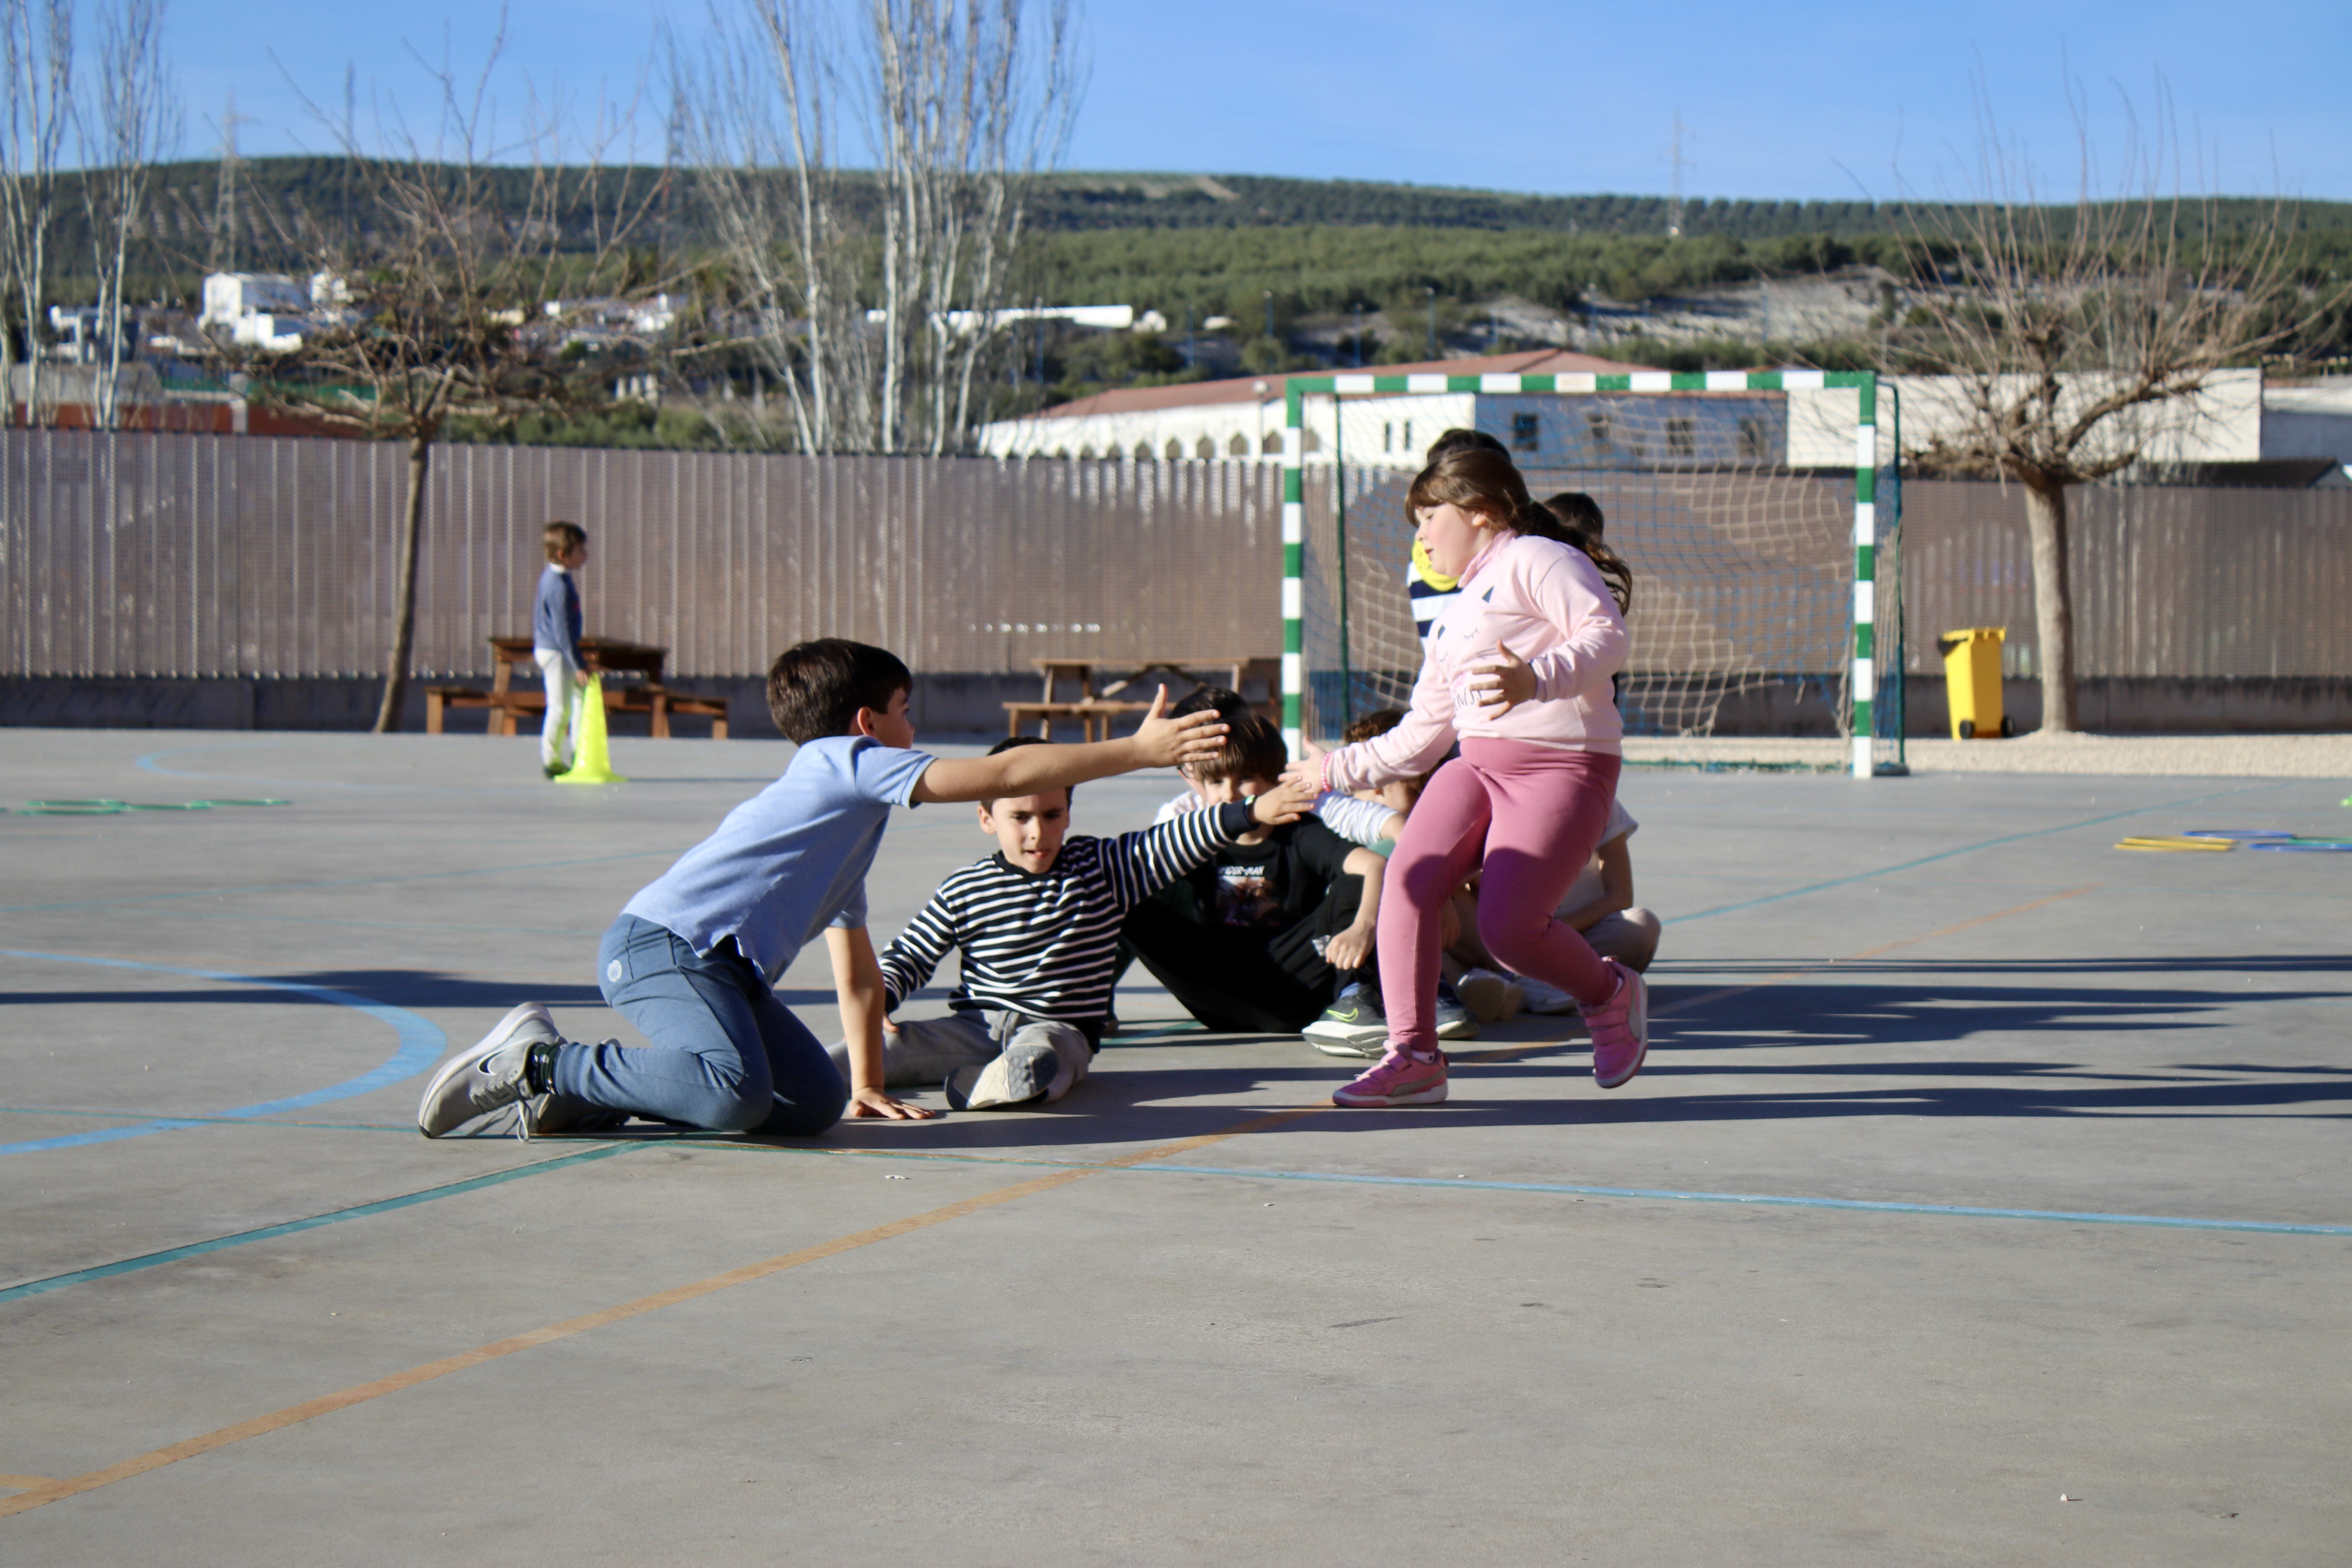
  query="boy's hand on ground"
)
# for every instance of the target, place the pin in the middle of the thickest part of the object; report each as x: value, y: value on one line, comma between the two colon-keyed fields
x: 874, y: 1102
x: 1350, y: 949
x: 1286, y: 802
x: 1502, y: 685
x: 1169, y: 743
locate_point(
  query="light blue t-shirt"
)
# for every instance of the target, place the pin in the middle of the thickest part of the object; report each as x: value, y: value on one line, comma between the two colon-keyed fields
x: 792, y: 859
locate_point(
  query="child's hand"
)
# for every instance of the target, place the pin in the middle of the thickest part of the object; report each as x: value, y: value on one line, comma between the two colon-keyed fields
x: 1170, y: 742
x: 1286, y: 802
x: 1308, y: 768
x: 579, y: 678
x: 874, y: 1102
x: 1502, y: 685
x: 1350, y: 949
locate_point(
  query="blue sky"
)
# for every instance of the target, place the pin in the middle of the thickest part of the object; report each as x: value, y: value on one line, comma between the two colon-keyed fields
x: 1829, y: 100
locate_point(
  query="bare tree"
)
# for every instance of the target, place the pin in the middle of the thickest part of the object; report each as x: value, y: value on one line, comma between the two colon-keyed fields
x: 2076, y: 336
x: 38, y: 51
x: 445, y: 298
x: 134, y: 122
x: 872, y: 299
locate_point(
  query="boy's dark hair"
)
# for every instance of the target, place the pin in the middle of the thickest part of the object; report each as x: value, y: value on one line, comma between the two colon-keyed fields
x: 815, y: 689
x: 1371, y: 724
x: 1254, y: 750
x: 1458, y: 439
x: 1013, y: 743
x: 560, y: 537
x: 1222, y: 700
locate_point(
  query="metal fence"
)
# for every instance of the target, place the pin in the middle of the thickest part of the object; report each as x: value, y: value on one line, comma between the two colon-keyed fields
x: 178, y: 555
x: 143, y: 554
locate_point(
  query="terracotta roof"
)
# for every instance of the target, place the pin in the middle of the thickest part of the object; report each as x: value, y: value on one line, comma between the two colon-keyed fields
x: 1260, y: 388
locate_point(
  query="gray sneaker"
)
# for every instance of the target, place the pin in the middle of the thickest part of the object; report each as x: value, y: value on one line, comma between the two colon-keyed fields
x: 1491, y: 998
x: 1353, y: 1025
x: 1017, y: 1075
x: 495, y: 1072
x: 1454, y: 1020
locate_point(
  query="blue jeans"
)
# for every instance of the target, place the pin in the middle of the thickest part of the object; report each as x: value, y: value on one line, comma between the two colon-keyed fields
x: 726, y: 1054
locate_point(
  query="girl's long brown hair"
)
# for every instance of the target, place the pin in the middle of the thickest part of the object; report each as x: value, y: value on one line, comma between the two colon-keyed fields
x: 1488, y: 483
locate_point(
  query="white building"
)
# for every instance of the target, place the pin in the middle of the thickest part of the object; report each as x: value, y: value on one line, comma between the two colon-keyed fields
x: 2236, y: 420
x: 269, y: 310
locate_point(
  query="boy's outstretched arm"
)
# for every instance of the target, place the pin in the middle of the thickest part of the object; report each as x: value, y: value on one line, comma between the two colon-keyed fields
x: 858, y: 983
x: 1161, y: 742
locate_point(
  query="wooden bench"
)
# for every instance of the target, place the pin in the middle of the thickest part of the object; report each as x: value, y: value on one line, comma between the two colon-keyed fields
x: 637, y: 689
x: 1095, y: 710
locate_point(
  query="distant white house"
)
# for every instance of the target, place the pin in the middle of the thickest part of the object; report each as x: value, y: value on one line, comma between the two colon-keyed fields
x: 269, y: 310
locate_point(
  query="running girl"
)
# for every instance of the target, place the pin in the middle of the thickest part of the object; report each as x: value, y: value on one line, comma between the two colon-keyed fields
x: 1517, y: 668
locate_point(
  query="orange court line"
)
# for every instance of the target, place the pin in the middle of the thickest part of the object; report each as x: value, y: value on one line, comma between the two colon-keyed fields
x: 44, y: 1490
x: 1684, y: 1006
x: 21, y: 1481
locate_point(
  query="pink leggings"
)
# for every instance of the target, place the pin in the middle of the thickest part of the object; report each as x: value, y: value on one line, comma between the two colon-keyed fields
x: 1532, y: 816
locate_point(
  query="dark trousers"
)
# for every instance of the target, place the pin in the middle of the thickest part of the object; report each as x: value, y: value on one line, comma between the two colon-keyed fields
x: 1240, y: 980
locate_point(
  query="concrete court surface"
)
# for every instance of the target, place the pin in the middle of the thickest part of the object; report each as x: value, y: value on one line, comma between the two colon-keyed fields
x: 1176, y: 1320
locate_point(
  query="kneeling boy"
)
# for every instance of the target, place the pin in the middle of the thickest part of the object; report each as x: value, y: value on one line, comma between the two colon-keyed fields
x: 1038, y: 925
x: 693, y: 956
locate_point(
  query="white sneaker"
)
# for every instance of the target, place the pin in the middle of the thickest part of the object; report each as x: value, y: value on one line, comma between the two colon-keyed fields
x: 1492, y: 998
x: 492, y: 1073
x: 1543, y: 998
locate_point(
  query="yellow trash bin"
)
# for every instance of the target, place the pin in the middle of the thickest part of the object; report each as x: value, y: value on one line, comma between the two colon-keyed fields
x: 1972, y: 682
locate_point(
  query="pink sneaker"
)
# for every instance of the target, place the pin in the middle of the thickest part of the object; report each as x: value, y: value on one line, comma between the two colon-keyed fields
x: 1399, y: 1077
x: 1620, y: 1028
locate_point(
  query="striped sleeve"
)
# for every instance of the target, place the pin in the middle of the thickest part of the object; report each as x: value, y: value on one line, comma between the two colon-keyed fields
x: 916, y: 951
x: 1137, y: 865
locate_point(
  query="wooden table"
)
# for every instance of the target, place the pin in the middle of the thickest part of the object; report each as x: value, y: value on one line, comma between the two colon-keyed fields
x: 636, y: 689
x: 1095, y: 709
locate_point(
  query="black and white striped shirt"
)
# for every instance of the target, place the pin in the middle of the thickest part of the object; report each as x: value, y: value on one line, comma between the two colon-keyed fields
x: 1044, y: 945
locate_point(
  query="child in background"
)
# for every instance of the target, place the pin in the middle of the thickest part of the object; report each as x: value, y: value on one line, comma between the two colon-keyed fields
x: 1277, y: 928
x: 1600, y: 904
x: 555, y: 643
x: 1357, y: 820
x: 693, y: 959
x: 1037, y: 923
x: 1519, y: 666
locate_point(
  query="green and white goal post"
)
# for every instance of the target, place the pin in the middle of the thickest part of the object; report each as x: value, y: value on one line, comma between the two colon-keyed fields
x: 1743, y: 557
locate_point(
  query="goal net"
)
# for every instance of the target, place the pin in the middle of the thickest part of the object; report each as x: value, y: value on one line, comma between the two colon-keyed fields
x: 1751, y: 506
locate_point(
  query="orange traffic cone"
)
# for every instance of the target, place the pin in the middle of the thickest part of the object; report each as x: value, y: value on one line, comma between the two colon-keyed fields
x: 592, y: 756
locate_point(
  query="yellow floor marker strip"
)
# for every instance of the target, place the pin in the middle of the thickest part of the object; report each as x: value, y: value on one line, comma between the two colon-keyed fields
x: 2179, y: 846
x: 1705, y: 997
x: 42, y: 1490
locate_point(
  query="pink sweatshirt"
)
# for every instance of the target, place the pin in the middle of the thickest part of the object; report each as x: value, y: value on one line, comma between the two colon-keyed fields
x: 1546, y: 602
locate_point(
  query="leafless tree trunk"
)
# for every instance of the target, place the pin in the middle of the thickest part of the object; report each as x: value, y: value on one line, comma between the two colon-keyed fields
x: 135, y: 120
x: 37, y: 49
x: 2054, y: 604
x: 404, y: 629
x: 2073, y: 336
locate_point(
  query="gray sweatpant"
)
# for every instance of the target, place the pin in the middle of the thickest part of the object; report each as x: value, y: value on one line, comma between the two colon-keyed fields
x: 926, y: 1051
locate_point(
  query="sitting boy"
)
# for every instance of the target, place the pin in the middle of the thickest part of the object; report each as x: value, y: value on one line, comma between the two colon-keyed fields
x: 1038, y: 924
x: 693, y: 959
x: 1360, y: 820
x: 1275, y: 926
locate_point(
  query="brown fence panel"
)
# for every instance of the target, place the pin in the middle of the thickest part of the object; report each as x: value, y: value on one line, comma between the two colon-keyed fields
x: 203, y: 555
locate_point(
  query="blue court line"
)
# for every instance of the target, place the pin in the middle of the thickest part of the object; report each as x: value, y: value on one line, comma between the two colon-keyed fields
x: 2275, y: 1227
x: 198, y: 1248
x: 1965, y: 849
x: 420, y: 1045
